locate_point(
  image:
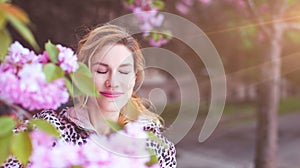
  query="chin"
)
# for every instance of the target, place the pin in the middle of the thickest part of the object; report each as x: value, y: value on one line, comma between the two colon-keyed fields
x: 112, y: 106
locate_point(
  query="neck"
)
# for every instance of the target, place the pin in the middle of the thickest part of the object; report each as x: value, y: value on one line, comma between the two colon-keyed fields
x: 98, y: 118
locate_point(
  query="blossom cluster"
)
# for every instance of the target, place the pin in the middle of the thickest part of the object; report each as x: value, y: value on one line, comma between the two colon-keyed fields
x: 23, y: 81
x: 183, y: 6
x: 125, y: 148
x: 147, y: 13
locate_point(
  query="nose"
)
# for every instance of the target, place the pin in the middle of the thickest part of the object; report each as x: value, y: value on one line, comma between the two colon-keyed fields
x: 112, y: 81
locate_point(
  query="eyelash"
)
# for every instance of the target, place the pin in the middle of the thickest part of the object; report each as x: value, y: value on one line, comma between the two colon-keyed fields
x: 125, y: 73
x: 104, y: 72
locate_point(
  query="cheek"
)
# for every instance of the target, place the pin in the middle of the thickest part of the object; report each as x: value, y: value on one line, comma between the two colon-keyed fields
x: 99, y: 82
x: 128, y: 83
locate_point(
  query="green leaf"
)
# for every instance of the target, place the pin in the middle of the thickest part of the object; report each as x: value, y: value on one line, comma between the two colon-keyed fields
x: 84, y: 83
x: 5, y: 42
x: 69, y: 86
x: 84, y: 70
x: 73, y: 90
x: 153, y: 137
x: 52, y: 72
x: 76, y: 166
x: 7, y: 125
x: 5, y: 1
x: 155, y: 36
x: 158, y: 4
x: 44, y: 126
x: 114, y: 126
x: 2, y: 20
x: 4, y: 146
x: 23, y: 30
x: 52, y: 51
x: 21, y: 147
x: 13, y: 10
x: 129, y: 2
x: 153, y: 159
x: 76, y: 91
x: 168, y: 35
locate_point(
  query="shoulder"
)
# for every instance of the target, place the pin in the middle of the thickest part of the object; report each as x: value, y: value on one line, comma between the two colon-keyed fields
x: 11, y: 162
x: 164, y: 149
x: 50, y: 115
x: 69, y: 131
x: 57, y: 119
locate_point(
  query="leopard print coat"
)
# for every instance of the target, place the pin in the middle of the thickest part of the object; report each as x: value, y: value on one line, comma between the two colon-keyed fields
x: 75, y: 134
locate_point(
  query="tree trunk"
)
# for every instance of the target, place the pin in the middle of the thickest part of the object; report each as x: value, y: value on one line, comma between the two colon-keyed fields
x: 268, y: 98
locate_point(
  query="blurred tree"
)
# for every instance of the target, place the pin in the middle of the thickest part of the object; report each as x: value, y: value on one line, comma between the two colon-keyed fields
x: 267, y: 22
x: 66, y: 21
x: 16, y: 18
x: 266, y: 25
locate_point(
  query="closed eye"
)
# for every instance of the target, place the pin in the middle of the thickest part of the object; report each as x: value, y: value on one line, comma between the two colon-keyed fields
x: 124, y: 72
x: 102, y: 72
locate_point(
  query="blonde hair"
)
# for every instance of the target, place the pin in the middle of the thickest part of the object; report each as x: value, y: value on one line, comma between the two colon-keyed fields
x: 111, y: 34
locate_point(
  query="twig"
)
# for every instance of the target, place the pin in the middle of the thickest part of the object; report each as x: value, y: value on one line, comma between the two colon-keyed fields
x: 16, y: 109
x: 260, y: 21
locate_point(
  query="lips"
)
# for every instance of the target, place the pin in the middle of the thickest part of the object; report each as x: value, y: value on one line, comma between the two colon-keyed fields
x: 111, y: 94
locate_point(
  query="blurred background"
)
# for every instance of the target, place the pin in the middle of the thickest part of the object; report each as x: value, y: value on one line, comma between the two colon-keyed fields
x: 258, y: 42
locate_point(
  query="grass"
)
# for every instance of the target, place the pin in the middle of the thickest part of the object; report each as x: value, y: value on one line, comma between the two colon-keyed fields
x: 291, y: 104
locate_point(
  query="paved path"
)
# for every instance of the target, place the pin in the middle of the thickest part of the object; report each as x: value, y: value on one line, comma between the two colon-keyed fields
x: 232, y: 145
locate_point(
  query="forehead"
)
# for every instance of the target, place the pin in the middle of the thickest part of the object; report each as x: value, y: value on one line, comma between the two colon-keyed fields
x: 113, y: 55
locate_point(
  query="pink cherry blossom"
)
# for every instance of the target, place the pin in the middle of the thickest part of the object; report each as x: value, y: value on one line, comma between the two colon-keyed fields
x: 95, y: 153
x: 67, y: 59
x: 55, y: 94
x: 31, y: 77
x: 9, y: 85
x: 157, y: 20
x: 36, y: 93
x: 43, y: 58
x: 40, y: 138
x: 188, y: 2
x: 65, y: 155
x: 149, y: 18
x: 135, y: 130
x: 241, y: 4
x: 19, y: 55
x: 158, y: 43
x: 23, y: 81
x: 142, y: 15
x: 182, y: 8
x: 39, y: 157
x: 146, y: 27
x: 8, y: 67
x: 205, y: 1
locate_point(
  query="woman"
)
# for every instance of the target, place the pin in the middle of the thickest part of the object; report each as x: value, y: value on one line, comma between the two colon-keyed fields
x: 116, y: 62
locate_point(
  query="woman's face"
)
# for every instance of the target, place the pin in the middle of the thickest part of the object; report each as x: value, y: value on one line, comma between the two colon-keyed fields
x: 114, y: 76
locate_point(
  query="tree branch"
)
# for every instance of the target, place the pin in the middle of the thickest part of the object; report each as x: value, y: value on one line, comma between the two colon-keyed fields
x: 20, y: 112
x: 254, y: 10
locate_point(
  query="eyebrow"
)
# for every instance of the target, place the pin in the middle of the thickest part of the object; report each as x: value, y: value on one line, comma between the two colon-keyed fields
x: 106, y: 65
